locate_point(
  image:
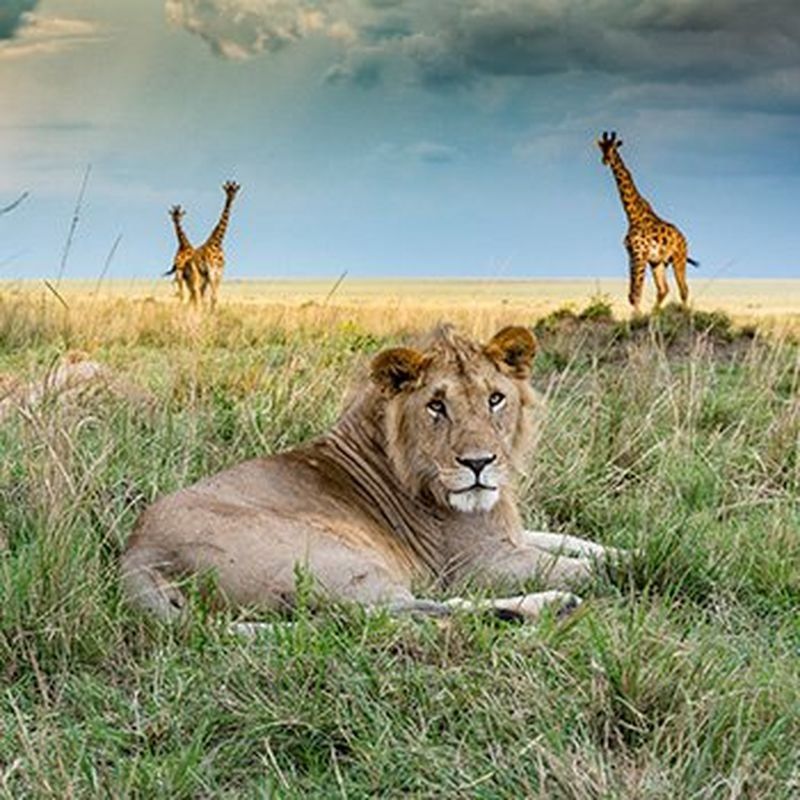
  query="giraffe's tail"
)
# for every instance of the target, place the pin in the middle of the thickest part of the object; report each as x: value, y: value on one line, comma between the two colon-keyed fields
x: 169, y: 272
x: 693, y: 262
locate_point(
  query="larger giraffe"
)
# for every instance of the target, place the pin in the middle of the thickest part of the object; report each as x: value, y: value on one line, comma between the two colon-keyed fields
x: 181, y: 264
x: 208, y: 260
x: 650, y: 239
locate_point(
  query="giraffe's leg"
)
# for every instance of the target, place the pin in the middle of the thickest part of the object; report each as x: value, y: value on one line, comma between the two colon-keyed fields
x: 679, y: 265
x: 194, y: 288
x: 213, y: 289
x: 213, y: 280
x: 638, y: 266
x: 204, y: 284
x: 662, y: 288
x: 179, y: 285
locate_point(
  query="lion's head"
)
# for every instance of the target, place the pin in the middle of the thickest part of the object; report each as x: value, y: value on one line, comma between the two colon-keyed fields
x: 458, y: 414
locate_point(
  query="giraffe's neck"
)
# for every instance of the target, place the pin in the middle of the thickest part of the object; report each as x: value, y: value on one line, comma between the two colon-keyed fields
x: 634, y: 204
x: 183, y: 241
x: 218, y: 234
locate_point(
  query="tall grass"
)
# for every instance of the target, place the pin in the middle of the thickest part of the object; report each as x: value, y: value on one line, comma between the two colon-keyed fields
x: 680, y: 680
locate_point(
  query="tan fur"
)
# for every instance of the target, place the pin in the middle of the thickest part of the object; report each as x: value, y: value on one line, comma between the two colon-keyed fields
x: 71, y: 379
x: 413, y: 485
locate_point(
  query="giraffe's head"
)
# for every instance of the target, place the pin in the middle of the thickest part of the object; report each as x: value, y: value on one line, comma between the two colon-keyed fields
x: 608, y: 144
x: 177, y: 213
x: 230, y: 188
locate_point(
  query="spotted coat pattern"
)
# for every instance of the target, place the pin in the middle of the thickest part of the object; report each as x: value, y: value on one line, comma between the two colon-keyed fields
x: 650, y: 239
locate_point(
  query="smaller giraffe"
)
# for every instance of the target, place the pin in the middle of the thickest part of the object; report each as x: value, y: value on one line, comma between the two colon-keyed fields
x: 208, y: 261
x: 650, y: 239
x: 183, y: 255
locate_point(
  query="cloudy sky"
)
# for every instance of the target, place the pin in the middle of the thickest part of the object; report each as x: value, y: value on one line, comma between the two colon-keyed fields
x: 398, y: 137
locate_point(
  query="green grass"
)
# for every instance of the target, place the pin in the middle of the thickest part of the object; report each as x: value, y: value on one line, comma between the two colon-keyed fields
x: 681, y: 679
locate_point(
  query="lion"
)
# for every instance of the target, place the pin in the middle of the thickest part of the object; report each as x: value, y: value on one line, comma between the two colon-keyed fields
x: 70, y: 381
x: 413, y: 486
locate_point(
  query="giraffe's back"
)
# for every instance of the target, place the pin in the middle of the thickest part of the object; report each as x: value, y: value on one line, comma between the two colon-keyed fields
x: 655, y: 240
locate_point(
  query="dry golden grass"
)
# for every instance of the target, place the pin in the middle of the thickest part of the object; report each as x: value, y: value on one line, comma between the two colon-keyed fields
x: 390, y: 306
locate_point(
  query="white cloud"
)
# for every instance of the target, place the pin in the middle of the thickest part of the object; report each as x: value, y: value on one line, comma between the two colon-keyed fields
x: 240, y: 29
x: 40, y: 35
x: 428, y: 152
x: 433, y: 152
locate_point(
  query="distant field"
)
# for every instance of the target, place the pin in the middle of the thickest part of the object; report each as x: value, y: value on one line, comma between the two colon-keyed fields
x: 392, y: 304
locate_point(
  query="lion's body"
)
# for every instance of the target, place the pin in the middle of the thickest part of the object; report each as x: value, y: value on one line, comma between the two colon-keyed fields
x: 252, y: 524
x: 376, y: 505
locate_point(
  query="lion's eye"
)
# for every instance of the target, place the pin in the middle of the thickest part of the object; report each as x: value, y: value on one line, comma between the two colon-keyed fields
x: 496, y: 400
x: 437, y: 408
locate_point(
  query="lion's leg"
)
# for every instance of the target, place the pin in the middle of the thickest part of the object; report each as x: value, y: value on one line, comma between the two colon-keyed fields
x: 395, y: 598
x: 517, y: 564
x: 146, y: 583
x: 528, y: 607
x: 562, y: 543
x: 564, y: 572
x: 415, y: 606
x: 369, y: 584
x: 341, y: 574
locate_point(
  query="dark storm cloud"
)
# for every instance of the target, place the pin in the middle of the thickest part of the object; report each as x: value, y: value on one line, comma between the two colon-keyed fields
x: 384, y: 3
x: 366, y: 71
x: 693, y: 40
x: 453, y: 43
x: 389, y: 26
x: 11, y: 15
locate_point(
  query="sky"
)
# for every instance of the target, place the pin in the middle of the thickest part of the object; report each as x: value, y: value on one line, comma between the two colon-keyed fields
x: 441, y: 138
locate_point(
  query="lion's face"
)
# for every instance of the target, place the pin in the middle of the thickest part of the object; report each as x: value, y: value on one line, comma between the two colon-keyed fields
x: 457, y: 416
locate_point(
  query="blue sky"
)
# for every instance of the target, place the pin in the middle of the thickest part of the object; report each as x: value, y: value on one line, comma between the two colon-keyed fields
x: 398, y: 137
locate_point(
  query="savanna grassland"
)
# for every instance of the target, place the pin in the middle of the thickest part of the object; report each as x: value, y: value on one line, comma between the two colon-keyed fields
x: 679, y: 678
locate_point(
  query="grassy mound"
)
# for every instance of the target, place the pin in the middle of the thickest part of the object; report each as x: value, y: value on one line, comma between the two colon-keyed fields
x: 678, y: 332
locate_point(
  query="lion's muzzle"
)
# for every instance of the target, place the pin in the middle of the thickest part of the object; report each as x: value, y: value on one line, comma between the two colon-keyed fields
x: 475, y: 484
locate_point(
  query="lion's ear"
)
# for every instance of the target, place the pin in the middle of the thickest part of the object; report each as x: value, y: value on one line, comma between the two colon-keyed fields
x: 513, y: 349
x: 398, y: 368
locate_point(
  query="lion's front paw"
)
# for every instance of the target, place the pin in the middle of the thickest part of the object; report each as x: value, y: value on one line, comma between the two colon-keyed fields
x: 524, y: 607
x: 615, y: 562
x: 531, y: 606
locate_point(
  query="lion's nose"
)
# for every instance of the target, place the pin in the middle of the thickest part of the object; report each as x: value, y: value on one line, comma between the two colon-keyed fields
x: 476, y: 463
